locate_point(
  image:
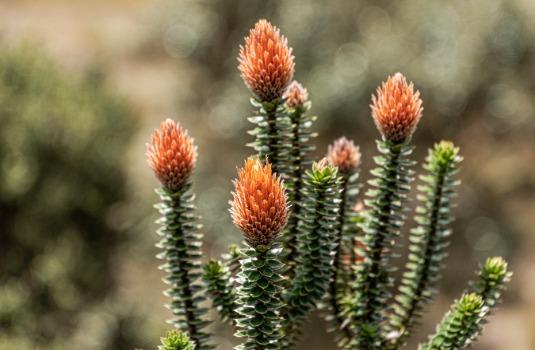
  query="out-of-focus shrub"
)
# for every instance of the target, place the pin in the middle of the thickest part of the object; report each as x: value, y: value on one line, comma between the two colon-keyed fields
x: 62, y: 142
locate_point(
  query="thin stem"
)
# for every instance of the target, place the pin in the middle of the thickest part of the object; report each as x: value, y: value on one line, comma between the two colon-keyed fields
x: 382, y: 225
x: 384, y: 216
x: 181, y: 244
x: 334, y: 286
x: 299, y: 162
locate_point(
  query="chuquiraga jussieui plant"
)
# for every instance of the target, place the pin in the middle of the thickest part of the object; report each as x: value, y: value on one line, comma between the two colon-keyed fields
x: 305, y: 223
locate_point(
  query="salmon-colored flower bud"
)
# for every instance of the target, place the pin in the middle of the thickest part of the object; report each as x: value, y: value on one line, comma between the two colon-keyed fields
x: 344, y: 154
x: 359, y: 207
x: 295, y: 95
x: 259, y: 207
x: 171, y: 154
x: 266, y: 62
x: 396, y: 109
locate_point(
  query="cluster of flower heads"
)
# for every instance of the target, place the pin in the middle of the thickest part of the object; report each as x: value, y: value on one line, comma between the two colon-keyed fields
x: 267, y: 66
x: 259, y: 206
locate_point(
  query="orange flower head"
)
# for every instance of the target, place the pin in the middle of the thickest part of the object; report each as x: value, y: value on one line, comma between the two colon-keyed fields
x: 259, y: 207
x: 344, y: 154
x: 396, y: 109
x: 171, y: 154
x: 295, y: 95
x: 266, y: 62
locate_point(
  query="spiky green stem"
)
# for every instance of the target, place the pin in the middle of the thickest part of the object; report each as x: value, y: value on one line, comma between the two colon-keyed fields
x: 346, y: 232
x: 349, y: 227
x: 175, y: 340
x: 258, y: 300
x: 181, y: 245
x: 300, y: 160
x: 219, y: 285
x: 272, y: 134
x: 428, y: 241
x: 458, y: 325
x: 382, y: 226
x: 316, y: 240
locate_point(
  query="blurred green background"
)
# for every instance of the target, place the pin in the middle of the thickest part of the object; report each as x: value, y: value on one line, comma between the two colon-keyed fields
x: 82, y: 85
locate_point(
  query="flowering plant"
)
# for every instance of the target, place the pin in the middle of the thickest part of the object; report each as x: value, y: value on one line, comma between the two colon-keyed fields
x: 305, y: 222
